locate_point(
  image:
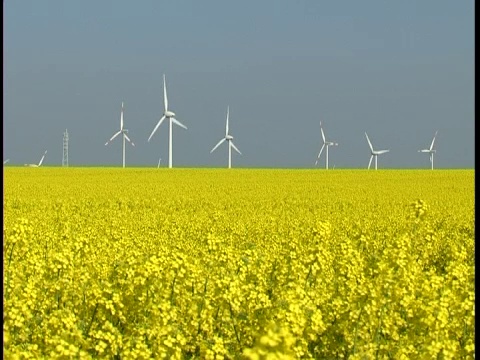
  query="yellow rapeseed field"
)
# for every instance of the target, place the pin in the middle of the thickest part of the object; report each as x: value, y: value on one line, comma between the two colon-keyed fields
x: 228, y: 264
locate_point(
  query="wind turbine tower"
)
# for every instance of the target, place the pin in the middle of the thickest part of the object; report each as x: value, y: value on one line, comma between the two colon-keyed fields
x: 229, y: 139
x: 374, y: 153
x: 124, y: 136
x: 326, y: 144
x: 430, y: 150
x: 65, y: 149
x: 171, y: 117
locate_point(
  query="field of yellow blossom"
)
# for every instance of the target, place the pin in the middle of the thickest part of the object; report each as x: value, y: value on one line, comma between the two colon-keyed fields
x: 226, y: 264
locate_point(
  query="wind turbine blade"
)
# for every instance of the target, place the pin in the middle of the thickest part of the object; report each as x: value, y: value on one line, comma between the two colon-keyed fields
x: 130, y: 141
x: 381, y: 152
x: 369, y: 143
x: 320, y: 153
x: 156, y: 127
x: 165, y: 100
x: 175, y: 121
x: 43, y: 157
x: 431, y: 146
x: 370, y: 162
x: 216, y: 146
x: 121, y: 118
x: 226, y: 126
x: 113, y: 137
x: 321, y: 130
x: 233, y: 145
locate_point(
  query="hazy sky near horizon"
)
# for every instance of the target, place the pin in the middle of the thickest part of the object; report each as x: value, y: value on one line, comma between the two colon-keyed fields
x: 397, y: 70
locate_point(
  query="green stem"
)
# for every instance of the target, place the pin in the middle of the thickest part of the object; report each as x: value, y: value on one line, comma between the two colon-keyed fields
x: 306, y: 279
x: 93, y: 317
x: 356, y: 327
x: 172, y: 294
x: 11, y: 252
x: 233, y: 322
x: 378, y: 330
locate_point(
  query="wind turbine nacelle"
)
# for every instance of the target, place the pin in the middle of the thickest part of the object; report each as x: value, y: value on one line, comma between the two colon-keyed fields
x: 229, y: 137
x: 169, y: 113
x: 125, y: 131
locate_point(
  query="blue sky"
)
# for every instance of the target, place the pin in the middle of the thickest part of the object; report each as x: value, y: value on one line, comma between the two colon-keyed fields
x: 397, y: 70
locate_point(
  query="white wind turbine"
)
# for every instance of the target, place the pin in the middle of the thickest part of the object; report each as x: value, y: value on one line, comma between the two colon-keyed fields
x: 170, y: 115
x: 159, y: 161
x: 124, y: 133
x: 6, y: 161
x: 431, y: 151
x: 229, y: 139
x: 374, y: 153
x: 40, y: 163
x: 325, y: 144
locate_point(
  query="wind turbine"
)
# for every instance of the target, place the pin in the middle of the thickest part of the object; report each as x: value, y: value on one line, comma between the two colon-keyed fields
x: 124, y: 133
x: 40, y: 163
x: 229, y: 139
x: 431, y: 151
x: 325, y: 144
x: 159, y: 160
x: 374, y: 153
x: 170, y: 115
x: 6, y: 161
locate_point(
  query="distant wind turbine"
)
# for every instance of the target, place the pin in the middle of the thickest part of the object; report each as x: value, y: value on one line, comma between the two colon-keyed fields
x: 374, y: 153
x: 229, y: 139
x: 6, y: 161
x: 159, y: 160
x: 124, y: 133
x: 40, y: 163
x: 325, y: 144
x: 431, y: 151
x: 170, y: 115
